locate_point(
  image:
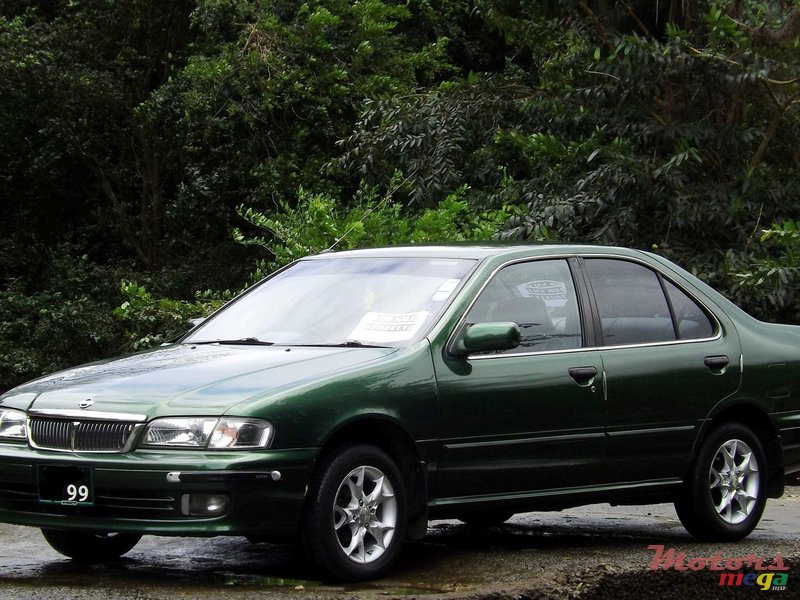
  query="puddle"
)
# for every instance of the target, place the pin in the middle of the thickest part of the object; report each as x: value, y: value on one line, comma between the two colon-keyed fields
x: 262, y: 581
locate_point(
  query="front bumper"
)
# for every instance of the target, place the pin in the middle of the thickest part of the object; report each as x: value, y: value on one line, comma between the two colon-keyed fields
x: 144, y: 491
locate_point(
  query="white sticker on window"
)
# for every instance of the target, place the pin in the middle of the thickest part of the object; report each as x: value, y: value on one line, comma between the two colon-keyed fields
x: 445, y: 290
x: 388, y: 327
x: 553, y: 293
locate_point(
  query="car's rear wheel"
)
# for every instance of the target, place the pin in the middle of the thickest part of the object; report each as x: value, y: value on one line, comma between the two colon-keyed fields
x: 725, y: 493
x: 355, y: 520
x: 90, y: 547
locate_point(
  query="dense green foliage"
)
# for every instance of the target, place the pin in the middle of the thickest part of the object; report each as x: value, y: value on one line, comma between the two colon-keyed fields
x: 318, y: 222
x: 150, y: 150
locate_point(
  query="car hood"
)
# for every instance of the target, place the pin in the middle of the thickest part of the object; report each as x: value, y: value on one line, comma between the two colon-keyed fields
x: 203, y: 380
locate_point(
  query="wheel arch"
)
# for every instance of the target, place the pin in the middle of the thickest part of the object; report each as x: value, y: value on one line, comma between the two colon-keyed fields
x: 764, y: 429
x: 384, y: 432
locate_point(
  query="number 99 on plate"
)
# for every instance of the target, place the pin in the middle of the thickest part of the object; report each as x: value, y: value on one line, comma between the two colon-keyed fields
x: 65, y: 485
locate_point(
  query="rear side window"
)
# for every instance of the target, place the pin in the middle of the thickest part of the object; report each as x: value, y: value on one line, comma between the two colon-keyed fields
x: 638, y: 306
x: 693, y: 322
x: 632, y: 305
x: 540, y: 297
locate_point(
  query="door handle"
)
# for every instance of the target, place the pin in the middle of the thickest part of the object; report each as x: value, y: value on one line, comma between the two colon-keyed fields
x: 716, y: 363
x: 582, y: 375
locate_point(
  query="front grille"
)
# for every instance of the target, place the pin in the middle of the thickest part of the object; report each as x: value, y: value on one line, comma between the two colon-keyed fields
x: 80, y: 436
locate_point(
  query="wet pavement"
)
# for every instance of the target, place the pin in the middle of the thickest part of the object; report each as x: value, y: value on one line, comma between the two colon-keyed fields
x: 591, y: 552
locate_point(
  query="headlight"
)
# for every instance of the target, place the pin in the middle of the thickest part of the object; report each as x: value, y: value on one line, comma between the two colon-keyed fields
x: 13, y: 425
x: 208, y: 433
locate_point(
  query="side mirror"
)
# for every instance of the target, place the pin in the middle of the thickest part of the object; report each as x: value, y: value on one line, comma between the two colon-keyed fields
x: 487, y: 337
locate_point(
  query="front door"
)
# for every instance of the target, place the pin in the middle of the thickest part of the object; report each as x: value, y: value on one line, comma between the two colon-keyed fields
x: 519, y: 422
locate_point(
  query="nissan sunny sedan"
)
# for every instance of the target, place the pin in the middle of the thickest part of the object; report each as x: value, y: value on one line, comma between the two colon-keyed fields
x: 350, y: 397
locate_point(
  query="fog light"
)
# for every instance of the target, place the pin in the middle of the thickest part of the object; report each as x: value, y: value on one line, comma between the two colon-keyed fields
x: 204, y: 505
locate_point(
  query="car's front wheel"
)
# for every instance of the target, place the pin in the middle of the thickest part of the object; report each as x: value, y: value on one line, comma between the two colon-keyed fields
x: 355, y: 520
x: 725, y: 493
x: 90, y: 547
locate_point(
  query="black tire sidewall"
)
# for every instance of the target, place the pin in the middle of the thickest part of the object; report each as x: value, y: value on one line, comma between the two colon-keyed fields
x: 319, y: 537
x: 701, y: 517
x: 84, y: 546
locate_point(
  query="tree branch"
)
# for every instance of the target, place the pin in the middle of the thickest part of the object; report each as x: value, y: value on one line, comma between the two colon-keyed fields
x: 642, y: 27
x: 598, y: 25
x: 770, y: 132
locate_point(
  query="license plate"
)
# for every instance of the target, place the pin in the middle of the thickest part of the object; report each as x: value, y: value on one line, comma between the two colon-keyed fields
x: 68, y: 486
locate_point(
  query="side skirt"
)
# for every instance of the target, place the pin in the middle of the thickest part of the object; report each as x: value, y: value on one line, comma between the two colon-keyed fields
x: 640, y: 492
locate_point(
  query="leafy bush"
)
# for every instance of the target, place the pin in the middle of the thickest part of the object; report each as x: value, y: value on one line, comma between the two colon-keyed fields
x: 765, y: 279
x: 151, y: 321
x: 66, y: 321
x: 319, y: 222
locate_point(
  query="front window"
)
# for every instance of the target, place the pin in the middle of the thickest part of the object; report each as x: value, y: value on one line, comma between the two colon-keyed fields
x: 539, y: 296
x: 341, y: 301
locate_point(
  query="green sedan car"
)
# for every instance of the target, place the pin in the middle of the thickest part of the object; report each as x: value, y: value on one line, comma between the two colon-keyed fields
x: 350, y: 397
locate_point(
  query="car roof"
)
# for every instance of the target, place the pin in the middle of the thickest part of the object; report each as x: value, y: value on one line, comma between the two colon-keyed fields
x: 478, y: 251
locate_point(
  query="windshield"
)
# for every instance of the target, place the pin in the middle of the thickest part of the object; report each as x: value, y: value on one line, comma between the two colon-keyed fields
x: 340, y: 301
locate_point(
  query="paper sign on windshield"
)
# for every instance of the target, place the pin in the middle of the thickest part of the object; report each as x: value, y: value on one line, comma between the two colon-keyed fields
x: 388, y: 327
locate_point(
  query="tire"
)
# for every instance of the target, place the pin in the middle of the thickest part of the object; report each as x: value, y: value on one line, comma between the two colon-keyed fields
x: 355, y: 519
x: 726, y: 490
x: 90, y: 547
x: 484, y: 519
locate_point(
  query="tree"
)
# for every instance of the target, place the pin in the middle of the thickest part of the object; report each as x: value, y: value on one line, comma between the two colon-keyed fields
x: 80, y: 97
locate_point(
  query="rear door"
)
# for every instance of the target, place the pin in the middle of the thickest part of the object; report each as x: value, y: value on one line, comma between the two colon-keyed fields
x: 668, y: 360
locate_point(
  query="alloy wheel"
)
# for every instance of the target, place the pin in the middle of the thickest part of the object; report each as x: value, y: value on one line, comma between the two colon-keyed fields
x: 734, y: 481
x: 365, y: 514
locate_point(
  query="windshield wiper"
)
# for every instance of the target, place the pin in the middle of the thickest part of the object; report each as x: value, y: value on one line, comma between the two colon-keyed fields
x: 346, y: 344
x: 246, y: 341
